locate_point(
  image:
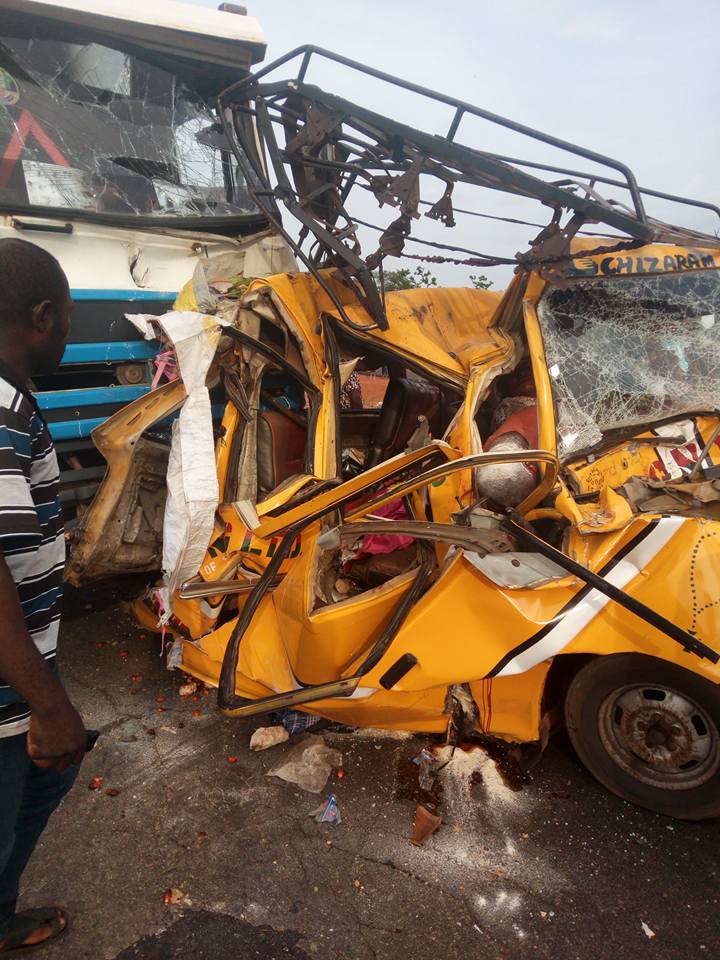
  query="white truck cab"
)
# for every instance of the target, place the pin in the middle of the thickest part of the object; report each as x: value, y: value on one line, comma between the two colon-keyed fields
x: 112, y: 158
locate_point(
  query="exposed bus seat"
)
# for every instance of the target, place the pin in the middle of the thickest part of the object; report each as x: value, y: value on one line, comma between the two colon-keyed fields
x: 281, y: 447
x: 404, y: 403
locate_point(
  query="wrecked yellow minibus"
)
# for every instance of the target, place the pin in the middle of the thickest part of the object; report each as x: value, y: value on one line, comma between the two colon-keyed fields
x: 524, y: 532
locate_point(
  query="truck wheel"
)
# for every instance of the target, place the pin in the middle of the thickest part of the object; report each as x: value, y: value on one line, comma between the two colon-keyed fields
x: 649, y: 731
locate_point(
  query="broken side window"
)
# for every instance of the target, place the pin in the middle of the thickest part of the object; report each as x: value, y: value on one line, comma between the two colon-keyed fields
x: 630, y: 352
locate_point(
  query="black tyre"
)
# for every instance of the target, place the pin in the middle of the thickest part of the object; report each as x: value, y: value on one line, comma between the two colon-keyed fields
x: 649, y: 731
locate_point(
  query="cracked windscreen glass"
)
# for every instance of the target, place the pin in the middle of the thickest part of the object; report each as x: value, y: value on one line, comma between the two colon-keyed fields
x: 630, y: 352
x: 89, y: 128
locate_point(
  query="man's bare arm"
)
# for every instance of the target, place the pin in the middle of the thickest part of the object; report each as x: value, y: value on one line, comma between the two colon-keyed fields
x: 57, y: 734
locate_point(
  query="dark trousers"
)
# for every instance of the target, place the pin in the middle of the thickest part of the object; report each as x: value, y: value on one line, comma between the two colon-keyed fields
x: 28, y: 795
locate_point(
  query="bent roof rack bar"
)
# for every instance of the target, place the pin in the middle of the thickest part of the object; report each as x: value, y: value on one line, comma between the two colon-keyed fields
x: 461, y: 108
x: 329, y: 146
x: 675, y: 198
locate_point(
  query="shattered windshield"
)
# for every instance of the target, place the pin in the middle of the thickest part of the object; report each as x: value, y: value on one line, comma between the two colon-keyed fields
x: 89, y: 128
x: 631, y: 351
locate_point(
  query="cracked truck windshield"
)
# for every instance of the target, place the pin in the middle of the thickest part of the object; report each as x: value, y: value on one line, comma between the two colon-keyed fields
x: 88, y: 127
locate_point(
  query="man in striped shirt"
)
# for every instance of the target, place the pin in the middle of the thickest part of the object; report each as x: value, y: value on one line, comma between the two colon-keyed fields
x: 42, y: 737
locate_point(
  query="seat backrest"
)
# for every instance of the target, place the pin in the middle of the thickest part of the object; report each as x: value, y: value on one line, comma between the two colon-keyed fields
x: 404, y: 403
x: 281, y: 447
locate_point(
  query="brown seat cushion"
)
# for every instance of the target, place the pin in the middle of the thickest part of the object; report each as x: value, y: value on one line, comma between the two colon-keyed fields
x: 281, y: 447
x: 404, y: 403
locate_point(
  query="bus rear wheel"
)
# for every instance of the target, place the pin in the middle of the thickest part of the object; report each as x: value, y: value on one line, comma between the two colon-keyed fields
x: 649, y: 731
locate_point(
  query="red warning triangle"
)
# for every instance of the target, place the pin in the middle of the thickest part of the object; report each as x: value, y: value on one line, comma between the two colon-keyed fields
x: 26, y: 127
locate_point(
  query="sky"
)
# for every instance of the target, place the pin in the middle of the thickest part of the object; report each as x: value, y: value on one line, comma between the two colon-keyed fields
x: 637, y: 81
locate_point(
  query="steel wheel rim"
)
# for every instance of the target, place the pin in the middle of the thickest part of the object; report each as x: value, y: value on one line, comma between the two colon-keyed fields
x: 659, y: 736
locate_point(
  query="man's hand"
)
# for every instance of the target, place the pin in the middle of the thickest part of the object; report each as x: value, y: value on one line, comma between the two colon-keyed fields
x: 57, y: 737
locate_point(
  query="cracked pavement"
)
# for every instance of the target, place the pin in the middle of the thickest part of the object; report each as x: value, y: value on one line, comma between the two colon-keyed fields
x: 559, y: 869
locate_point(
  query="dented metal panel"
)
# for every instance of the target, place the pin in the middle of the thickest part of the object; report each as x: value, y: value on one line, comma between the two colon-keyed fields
x: 378, y: 574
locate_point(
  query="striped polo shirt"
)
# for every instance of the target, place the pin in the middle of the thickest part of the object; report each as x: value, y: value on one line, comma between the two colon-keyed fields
x: 31, y: 530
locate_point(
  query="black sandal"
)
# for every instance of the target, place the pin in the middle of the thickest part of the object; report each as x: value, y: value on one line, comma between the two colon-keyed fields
x: 27, y: 922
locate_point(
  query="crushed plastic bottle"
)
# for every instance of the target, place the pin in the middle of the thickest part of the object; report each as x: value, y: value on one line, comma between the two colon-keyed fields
x: 428, y: 769
x: 327, y: 812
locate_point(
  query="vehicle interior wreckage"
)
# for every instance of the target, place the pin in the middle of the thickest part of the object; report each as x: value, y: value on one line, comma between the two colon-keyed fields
x: 516, y: 524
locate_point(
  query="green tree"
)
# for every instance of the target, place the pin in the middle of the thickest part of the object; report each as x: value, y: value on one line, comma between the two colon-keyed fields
x: 406, y: 279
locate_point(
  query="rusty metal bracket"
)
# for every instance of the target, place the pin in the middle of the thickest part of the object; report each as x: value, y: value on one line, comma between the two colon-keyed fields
x: 551, y: 248
x: 442, y: 210
x: 403, y: 191
x: 392, y: 242
x: 320, y: 124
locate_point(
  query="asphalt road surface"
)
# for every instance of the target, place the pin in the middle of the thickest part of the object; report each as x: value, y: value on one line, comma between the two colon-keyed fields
x: 553, y: 867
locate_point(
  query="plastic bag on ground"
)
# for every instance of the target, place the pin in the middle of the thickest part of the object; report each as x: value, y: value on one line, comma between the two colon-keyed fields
x: 308, y: 765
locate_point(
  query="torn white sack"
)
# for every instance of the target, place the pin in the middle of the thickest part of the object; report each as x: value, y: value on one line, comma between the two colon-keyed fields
x: 191, y: 479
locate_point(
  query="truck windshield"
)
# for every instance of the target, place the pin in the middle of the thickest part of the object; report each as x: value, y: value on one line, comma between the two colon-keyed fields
x: 628, y: 352
x: 85, y: 127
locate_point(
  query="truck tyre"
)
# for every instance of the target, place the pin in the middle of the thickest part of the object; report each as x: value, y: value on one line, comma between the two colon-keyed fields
x: 649, y: 731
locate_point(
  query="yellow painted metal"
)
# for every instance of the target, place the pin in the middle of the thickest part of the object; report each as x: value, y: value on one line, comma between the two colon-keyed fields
x: 464, y: 625
x: 511, y: 707
x: 610, y: 512
x: 547, y: 439
x: 452, y: 633
x: 631, y: 458
x: 683, y: 582
x: 447, y: 331
x: 657, y: 258
x: 322, y: 643
x: 452, y: 328
x: 116, y: 439
x: 271, y: 526
x: 444, y: 470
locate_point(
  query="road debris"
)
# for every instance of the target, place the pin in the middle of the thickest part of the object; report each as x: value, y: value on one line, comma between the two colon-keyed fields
x: 265, y: 737
x: 328, y: 811
x: 95, y: 783
x: 295, y: 721
x: 308, y: 765
x: 188, y: 689
x: 112, y: 792
x: 428, y: 765
x: 174, y: 896
x: 425, y: 824
x: 646, y: 930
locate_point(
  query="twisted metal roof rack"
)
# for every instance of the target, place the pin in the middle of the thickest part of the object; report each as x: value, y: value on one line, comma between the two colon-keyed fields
x: 332, y: 146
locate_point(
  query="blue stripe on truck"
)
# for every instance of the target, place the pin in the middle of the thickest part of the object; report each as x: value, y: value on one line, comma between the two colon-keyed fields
x: 74, y: 429
x: 110, y: 351
x: 123, y: 295
x: 79, y: 429
x: 89, y: 396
